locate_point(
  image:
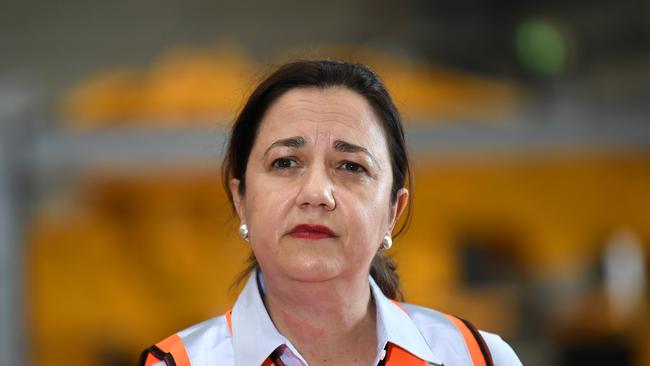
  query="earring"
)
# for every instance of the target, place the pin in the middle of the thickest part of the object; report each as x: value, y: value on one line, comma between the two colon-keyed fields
x: 387, y: 242
x: 243, y: 232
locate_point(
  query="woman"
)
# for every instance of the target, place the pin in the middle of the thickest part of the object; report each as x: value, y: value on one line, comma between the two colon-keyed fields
x: 317, y: 170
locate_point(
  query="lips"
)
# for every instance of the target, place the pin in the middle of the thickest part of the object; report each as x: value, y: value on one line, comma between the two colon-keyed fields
x: 312, y: 232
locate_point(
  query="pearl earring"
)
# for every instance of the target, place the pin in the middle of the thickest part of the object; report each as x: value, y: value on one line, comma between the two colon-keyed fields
x: 387, y: 242
x: 243, y: 232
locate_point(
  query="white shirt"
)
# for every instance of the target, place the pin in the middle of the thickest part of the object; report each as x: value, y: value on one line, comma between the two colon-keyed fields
x: 423, y: 332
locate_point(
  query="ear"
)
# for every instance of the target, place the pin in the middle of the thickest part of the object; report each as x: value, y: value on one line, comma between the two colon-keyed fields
x: 398, y: 208
x: 238, y: 199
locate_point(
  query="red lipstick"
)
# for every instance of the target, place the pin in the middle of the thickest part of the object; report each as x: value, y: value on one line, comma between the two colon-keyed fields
x: 311, y: 232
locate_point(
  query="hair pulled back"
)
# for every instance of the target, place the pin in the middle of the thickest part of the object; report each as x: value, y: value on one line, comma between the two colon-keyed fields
x: 323, y: 74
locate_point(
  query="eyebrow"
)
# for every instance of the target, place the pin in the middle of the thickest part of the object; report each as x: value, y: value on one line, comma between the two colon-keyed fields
x: 344, y: 146
x: 339, y: 145
x: 295, y: 142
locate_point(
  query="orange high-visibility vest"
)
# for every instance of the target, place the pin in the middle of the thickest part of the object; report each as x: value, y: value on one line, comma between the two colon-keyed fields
x: 172, y: 351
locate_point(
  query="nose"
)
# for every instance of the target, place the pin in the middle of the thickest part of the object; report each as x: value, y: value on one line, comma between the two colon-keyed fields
x: 316, y: 190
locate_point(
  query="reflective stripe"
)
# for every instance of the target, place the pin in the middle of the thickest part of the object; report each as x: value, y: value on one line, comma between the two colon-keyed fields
x: 470, y: 341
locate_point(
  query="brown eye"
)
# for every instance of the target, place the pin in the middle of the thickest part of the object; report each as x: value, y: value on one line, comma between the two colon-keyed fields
x: 284, y: 163
x: 353, y: 167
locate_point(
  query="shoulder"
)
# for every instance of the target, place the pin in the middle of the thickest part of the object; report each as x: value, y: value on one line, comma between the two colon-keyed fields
x: 208, y: 342
x: 446, y: 341
x: 502, y: 353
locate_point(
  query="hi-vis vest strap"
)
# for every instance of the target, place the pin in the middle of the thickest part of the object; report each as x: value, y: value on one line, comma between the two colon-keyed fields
x: 478, y: 351
x: 172, y: 350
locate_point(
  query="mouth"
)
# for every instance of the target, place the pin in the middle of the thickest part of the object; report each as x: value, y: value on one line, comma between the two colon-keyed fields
x: 312, y: 232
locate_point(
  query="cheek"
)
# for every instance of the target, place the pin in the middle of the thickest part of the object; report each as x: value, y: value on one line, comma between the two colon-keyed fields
x: 367, y: 215
x: 264, y: 213
x: 266, y: 206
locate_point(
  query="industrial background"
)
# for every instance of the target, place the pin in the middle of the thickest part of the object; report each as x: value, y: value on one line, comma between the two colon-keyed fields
x: 528, y: 124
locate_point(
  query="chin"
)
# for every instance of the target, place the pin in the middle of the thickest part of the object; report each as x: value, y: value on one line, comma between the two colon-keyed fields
x: 310, y: 269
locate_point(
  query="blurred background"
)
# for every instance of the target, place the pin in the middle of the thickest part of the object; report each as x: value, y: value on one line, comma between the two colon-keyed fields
x: 528, y: 123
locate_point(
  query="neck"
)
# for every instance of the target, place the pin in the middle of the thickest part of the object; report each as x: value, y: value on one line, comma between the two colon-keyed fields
x: 325, y: 319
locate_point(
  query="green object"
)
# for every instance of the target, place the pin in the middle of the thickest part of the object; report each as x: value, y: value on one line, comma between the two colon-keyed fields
x: 541, y: 47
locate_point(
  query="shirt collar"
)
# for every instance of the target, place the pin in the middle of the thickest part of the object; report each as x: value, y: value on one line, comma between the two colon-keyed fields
x: 255, y: 336
x: 394, y: 325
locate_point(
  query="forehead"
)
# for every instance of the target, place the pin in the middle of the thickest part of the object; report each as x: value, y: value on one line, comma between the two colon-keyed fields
x: 315, y: 113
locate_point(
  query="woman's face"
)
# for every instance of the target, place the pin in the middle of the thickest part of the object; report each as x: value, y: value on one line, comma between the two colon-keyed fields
x: 318, y: 183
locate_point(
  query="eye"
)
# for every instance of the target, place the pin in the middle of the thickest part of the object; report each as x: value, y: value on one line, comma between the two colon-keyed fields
x: 352, y: 167
x: 284, y: 163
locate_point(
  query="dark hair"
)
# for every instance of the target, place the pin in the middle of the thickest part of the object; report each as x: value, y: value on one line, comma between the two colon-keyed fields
x: 323, y: 74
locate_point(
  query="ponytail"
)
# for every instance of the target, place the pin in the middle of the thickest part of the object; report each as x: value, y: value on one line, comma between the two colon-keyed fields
x: 384, y: 271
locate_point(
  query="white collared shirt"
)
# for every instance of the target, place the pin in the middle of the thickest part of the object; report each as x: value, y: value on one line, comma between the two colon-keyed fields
x: 425, y: 333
